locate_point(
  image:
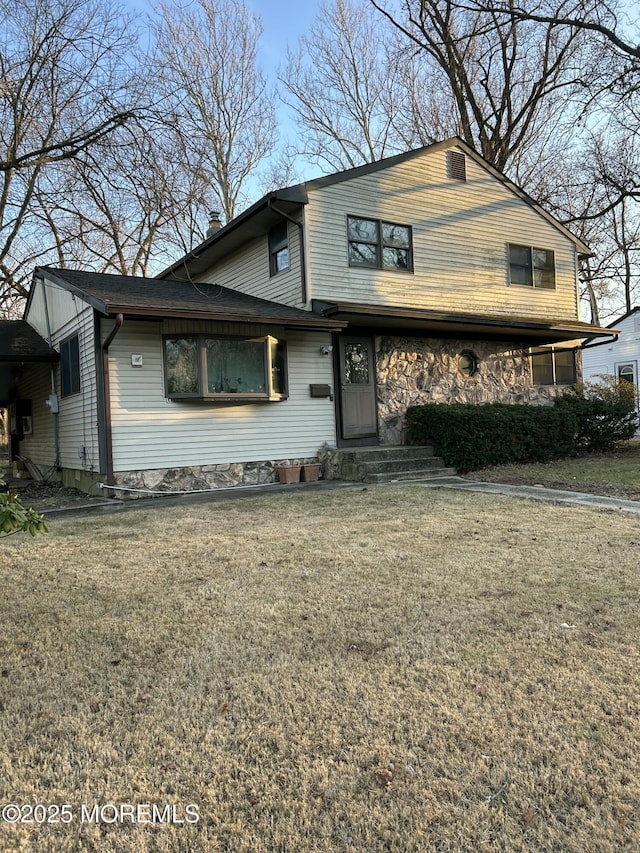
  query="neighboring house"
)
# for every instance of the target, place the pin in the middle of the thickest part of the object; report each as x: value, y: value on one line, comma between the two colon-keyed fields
x: 616, y: 355
x: 315, y: 317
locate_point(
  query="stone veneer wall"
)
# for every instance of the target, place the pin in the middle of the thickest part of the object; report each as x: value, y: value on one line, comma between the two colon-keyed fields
x: 204, y: 477
x: 411, y: 371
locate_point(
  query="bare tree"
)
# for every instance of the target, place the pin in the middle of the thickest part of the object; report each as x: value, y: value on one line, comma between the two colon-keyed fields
x: 505, y: 78
x: 344, y: 85
x: 62, y: 90
x: 207, y: 55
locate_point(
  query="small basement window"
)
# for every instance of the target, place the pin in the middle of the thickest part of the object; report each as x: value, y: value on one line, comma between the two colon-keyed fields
x: 206, y: 367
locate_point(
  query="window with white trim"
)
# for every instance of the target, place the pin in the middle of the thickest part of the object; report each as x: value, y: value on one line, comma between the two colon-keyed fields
x: 532, y: 266
x: 210, y: 367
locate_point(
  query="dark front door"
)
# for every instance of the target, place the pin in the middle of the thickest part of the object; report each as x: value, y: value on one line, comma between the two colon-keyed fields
x: 357, y: 388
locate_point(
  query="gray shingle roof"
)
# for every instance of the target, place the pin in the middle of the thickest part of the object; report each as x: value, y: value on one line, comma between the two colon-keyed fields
x: 152, y: 297
x: 19, y: 342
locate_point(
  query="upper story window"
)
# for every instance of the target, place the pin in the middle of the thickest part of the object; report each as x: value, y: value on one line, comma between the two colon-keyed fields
x: 70, y: 366
x: 379, y: 245
x: 202, y: 367
x: 551, y: 366
x: 532, y: 266
x: 278, y: 248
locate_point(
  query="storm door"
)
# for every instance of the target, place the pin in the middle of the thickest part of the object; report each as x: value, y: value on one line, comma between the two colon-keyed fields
x: 357, y: 388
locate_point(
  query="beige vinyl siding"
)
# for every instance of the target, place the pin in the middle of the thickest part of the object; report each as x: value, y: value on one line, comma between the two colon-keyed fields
x: 150, y: 431
x: 460, y: 235
x: 39, y: 447
x: 78, y: 427
x: 247, y: 270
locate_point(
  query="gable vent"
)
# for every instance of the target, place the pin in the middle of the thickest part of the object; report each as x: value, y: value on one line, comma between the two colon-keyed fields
x: 456, y: 166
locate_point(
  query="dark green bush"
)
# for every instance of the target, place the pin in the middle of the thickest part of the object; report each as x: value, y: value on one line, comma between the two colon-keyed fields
x: 605, y: 413
x: 468, y: 437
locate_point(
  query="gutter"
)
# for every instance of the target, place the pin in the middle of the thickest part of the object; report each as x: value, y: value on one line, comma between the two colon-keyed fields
x: 303, y: 260
x: 107, y: 400
x: 54, y: 414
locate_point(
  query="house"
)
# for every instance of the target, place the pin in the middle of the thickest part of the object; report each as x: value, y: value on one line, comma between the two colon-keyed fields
x: 314, y: 318
x: 617, y: 354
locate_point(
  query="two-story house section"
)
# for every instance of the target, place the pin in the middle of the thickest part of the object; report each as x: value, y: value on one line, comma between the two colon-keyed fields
x: 314, y: 318
x: 454, y: 284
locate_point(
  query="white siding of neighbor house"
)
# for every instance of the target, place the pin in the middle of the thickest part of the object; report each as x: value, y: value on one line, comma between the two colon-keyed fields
x: 247, y: 270
x: 606, y: 358
x: 78, y: 420
x: 150, y: 431
x: 460, y: 234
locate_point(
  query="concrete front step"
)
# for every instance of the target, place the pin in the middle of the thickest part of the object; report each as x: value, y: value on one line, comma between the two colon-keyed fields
x: 383, y: 464
x: 377, y: 454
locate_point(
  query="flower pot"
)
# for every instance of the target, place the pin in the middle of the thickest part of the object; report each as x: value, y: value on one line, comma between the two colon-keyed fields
x: 289, y: 473
x: 310, y: 472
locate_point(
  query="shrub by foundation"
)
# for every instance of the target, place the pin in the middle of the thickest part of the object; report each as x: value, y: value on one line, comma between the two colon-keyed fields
x: 468, y: 437
x: 605, y: 413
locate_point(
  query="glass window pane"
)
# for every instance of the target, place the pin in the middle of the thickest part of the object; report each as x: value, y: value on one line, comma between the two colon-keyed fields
x: 356, y: 364
x: 278, y: 367
x: 363, y: 229
x: 70, y: 366
x: 281, y: 259
x: 520, y: 264
x: 395, y: 258
x: 565, y: 367
x: 363, y: 254
x: 235, y: 367
x: 544, y: 268
x: 181, y: 361
x: 395, y: 235
x: 542, y: 367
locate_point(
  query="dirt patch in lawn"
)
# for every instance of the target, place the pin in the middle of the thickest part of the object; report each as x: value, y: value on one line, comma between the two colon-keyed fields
x: 47, y: 496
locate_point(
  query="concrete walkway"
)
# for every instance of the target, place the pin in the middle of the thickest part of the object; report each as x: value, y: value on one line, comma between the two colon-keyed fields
x: 536, y: 493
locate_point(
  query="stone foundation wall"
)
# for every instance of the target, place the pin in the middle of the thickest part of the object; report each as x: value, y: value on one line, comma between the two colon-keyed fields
x: 413, y: 371
x: 203, y: 477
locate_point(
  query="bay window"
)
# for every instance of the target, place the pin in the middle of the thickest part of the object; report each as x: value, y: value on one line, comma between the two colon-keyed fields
x: 211, y: 367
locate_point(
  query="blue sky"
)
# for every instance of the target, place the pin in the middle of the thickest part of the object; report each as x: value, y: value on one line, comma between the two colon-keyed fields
x: 284, y: 21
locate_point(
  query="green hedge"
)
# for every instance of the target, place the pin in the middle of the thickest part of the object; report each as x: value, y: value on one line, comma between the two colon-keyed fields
x: 601, y: 421
x: 468, y: 436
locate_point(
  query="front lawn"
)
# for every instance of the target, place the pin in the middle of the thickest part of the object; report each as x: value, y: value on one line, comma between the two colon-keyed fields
x: 384, y: 669
x: 616, y: 473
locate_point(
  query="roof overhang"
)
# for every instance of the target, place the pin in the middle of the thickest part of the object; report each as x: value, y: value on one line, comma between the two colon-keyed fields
x: 250, y: 224
x: 20, y: 345
x: 525, y: 330
x: 313, y: 321
x: 167, y: 299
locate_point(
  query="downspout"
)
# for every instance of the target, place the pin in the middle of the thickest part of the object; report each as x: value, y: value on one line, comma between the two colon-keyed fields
x: 303, y: 261
x: 54, y: 414
x: 107, y: 400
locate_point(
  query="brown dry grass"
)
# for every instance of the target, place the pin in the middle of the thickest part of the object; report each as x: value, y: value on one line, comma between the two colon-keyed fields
x: 389, y: 669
